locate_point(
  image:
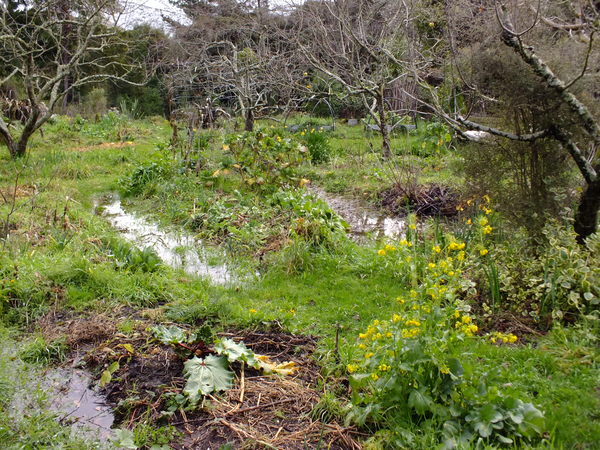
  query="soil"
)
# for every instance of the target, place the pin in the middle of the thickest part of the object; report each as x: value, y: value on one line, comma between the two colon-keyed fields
x: 261, y: 411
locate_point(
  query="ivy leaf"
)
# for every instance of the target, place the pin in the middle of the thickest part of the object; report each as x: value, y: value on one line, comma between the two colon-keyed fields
x: 236, y: 352
x: 205, y: 376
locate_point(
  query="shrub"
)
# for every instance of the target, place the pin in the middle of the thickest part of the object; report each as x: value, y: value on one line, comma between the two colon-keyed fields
x: 561, y: 282
x: 409, y: 370
x: 266, y: 161
x: 138, y: 181
x: 318, y: 146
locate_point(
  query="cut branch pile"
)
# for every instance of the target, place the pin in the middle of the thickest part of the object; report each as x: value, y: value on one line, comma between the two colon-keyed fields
x: 426, y: 201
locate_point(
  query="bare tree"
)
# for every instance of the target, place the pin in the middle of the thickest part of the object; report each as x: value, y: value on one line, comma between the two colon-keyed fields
x: 362, y: 46
x: 572, y: 121
x: 235, y: 55
x: 51, y: 51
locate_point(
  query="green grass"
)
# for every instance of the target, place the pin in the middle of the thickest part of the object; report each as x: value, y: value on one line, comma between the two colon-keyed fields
x: 57, y: 258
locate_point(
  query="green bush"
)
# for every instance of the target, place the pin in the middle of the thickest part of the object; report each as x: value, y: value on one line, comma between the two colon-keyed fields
x: 266, y: 161
x: 561, y: 282
x: 143, y: 176
x: 318, y: 146
x: 409, y: 371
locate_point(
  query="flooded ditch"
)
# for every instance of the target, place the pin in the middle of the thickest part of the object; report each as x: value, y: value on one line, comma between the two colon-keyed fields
x: 77, y: 403
x: 178, y: 250
x: 364, y: 221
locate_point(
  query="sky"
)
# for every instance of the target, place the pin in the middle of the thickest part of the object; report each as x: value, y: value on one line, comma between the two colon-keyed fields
x: 150, y: 11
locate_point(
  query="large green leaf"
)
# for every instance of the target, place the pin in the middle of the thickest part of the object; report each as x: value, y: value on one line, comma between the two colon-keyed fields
x: 237, y: 352
x: 420, y: 401
x: 205, y: 376
x: 169, y: 335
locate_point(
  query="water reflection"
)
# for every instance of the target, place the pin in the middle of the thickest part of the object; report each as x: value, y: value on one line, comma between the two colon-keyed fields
x: 177, y: 250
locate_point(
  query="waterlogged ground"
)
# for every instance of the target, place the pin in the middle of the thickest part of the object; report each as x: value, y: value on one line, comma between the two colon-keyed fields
x: 61, y: 281
x: 364, y: 221
x: 177, y: 249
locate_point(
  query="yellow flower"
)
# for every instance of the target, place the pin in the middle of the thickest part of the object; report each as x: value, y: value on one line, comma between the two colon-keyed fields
x: 469, y: 222
x: 383, y: 368
x: 404, y: 242
x: 304, y: 182
x: 390, y: 248
x: 512, y: 338
x: 376, y: 322
x: 413, y: 293
x: 487, y: 230
x: 375, y: 376
x: 368, y: 355
x: 309, y: 86
x: 381, y: 252
x: 225, y: 147
x: 362, y: 346
x: 352, y: 368
x: 451, y: 273
x: 486, y: 198
x: 466, y: 319
x: 431, y: 265
x: 483, y: 221
x: 363, y: 335
x: 412, y: 226
x: 396, y: 318
x: 437, y: 249
x: 444, y: 370
x: 461, y: 256
x: 483, y: 251
x: 252, y: 311
x: 456, y: 314
x: 414, y: 323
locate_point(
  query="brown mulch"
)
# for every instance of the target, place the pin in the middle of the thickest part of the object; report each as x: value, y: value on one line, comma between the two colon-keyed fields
x: 21, y: 191
x: 261, y: 411
x: 426, y: 201
x: 103, y: 146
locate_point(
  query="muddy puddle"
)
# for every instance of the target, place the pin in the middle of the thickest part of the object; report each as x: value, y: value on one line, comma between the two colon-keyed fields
x: 178, y: 250
x: 363, y: 220
x: 77, y: 403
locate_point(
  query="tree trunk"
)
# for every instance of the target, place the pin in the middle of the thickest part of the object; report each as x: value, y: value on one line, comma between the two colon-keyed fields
x: 249, y: 120
x: 10, y: 144
x: 586, y: 218
x: 386, y: 148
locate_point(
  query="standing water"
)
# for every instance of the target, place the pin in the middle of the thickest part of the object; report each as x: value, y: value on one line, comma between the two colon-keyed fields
x: 177, y: 250
x: 362, y: 219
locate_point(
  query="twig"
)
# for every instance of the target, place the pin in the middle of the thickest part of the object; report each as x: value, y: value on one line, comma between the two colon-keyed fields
x: 242, y: 385
x: 264, y: 405
x: 239, y: 430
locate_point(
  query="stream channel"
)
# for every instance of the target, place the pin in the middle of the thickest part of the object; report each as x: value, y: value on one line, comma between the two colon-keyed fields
x: 71, y: 390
